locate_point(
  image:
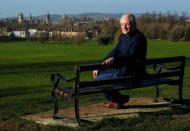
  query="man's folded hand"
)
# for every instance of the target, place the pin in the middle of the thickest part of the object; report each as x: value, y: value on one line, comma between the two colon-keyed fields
x: 107, y: 61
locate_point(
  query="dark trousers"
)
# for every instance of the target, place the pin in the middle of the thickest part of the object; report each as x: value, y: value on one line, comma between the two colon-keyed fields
x: 113, y: 96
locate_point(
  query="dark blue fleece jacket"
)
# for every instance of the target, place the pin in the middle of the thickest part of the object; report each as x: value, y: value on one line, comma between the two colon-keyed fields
x: 129, y: 48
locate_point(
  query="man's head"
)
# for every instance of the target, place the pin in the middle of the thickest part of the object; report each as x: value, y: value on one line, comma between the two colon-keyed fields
x: 128, y: 23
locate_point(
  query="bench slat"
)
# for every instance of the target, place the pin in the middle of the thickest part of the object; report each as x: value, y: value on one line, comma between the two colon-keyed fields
x: 121, y: 86
x: 165, y: 60
x: 91, y: 67
x: 126, y: 79
x: 105, y: 82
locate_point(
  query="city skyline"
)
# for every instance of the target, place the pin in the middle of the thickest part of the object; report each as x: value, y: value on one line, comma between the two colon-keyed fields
x: 10, y: 8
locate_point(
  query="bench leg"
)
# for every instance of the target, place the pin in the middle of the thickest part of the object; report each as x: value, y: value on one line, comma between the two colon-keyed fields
x: 56, y: 115
x: 77, y: 108
x: 55, y: 104
x: 157, y: 94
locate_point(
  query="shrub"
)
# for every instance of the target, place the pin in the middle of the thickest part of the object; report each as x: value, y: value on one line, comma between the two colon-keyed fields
x: 104, y: 40
x: 117, y: 34
x: 154, y: 30
x: 80, y: 40
x: 187, y: 34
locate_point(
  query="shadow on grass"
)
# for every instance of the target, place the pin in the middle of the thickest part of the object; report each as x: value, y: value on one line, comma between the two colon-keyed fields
x: 158, y: 120
x: 54, y: 66
x: 175, y: 110
x: 171, y: 103
x: 26, y: 90
x: 42, y: 67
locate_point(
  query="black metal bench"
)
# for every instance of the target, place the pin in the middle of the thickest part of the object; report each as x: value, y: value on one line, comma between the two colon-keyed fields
x: 162, y: 73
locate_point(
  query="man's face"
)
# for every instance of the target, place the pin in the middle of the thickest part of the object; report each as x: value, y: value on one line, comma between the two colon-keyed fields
x: 125, y: 25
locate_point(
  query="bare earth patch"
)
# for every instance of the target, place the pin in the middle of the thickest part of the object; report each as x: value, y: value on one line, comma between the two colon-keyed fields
x: 96, y: 112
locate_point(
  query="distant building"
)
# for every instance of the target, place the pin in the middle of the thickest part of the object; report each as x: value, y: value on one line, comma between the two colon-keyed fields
x: 30, y: 18
x: 69, y: 34
x: 5, y: 32
x: 81, y: 24
x: 187, y: 21
x: 19, y: 34
x: 42, y: 34
x: 20, y: 18
x: 32, y: 32
x: 106, y: 18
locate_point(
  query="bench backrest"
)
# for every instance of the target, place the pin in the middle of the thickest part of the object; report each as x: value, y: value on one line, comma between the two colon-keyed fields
x: 158, y: 65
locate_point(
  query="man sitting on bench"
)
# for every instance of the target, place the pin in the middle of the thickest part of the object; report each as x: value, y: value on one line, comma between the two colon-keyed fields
x: 132, y: 45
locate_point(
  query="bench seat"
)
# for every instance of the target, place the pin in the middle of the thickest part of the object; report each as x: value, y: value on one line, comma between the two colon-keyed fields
x: 68, y: 91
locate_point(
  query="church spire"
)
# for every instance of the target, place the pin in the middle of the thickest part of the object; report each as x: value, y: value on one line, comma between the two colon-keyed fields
x: 30, y: 17
x: 48, y: 18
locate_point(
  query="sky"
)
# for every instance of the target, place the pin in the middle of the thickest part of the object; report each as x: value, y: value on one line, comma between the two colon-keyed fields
x: 10, y: 8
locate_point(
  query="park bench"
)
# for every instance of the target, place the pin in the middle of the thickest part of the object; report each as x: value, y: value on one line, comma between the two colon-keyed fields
x: 168, y: 71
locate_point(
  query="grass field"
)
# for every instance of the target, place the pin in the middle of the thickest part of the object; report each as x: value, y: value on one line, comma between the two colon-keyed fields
x: 25, y: 87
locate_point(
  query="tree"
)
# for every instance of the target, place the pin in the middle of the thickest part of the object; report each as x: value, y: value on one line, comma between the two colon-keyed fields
x: 80, y: 39
x: 42, y: 36
x: 177, y: 33
x: 108, y: 30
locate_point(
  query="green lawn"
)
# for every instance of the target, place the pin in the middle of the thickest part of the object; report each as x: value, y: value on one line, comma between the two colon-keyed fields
x: 25, y: 70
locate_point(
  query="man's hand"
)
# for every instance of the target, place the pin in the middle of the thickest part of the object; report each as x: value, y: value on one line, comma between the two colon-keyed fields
x: 107, y: 61
x: 95, y: 73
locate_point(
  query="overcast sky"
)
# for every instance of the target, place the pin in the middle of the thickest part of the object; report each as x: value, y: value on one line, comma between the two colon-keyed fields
x: 38, y: 7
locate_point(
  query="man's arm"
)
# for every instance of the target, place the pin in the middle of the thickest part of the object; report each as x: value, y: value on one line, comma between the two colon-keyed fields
x: 109, y: 58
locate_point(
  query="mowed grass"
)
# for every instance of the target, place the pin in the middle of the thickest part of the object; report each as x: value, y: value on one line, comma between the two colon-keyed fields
x: 25, y: 70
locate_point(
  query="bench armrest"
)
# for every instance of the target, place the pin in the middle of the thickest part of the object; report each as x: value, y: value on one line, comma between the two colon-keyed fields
x: 55, y: 77
x: 158, y: 67
x: 170, y: 68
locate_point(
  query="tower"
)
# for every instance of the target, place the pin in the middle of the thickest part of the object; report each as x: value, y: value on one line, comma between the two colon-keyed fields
x: 20, y: 17
x: 30, y: 17
x: 47, y: 18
